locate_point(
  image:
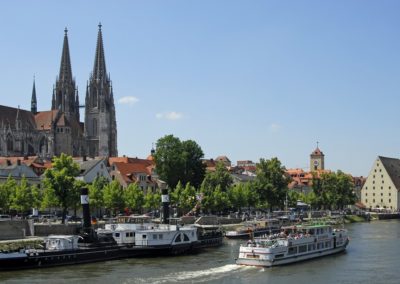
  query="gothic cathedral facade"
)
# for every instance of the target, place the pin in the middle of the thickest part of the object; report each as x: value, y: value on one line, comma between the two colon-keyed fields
x: 59, y: 130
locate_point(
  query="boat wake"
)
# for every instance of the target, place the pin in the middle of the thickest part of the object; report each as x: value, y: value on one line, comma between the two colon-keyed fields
x: 193, y: 276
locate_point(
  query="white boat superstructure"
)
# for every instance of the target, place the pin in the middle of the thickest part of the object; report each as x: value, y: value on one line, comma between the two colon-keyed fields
x: 293, y: 244
x: 137, y: 231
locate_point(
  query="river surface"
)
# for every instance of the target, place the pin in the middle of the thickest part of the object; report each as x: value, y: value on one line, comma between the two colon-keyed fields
x: 373, y: 256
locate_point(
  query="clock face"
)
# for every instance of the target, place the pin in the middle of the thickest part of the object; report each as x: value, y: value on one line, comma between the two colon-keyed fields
x: 316, y: 163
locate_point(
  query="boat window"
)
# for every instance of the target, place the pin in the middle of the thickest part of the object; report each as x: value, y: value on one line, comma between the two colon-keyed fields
x: 292, y: 250
x: 127, y: 234
x: 311, y: 247
x: 302, y: 248
x: 178, y: 239
x: 116, y: 235
x: 143, y: 236
x: 185, y: 238
x: 160, y: 236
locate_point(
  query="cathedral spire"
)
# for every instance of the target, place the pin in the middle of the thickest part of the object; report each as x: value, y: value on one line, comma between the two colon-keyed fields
x: 99, y: 68
x: 33, y: 100
x: 65, y: 67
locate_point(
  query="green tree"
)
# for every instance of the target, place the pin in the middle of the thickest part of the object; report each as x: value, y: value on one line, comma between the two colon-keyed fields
x: 237, y: 196
x: 6, y: 193
x: 134, y: 197
x: 220, y: 179
x: 96, y: 194
x: 179, y: 161
x: 61, y: 179
x: 220, y: 200
x: 152, y: 201
x: 184, y: 198
x: 114, y: 197
x: 23, y: 199
x: 194, y: 169
x: 49, y: 199
x: 271, y: 183
x: 333, y: 190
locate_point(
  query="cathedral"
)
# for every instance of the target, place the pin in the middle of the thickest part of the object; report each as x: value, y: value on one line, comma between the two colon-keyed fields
x: 59, y: 130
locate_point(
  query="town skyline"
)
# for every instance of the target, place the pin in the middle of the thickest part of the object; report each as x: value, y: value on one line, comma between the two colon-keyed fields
x: 247, y: 81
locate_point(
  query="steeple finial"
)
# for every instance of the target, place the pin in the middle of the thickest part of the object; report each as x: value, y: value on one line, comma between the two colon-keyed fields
x: 99, y: 26
x: 65, y: 31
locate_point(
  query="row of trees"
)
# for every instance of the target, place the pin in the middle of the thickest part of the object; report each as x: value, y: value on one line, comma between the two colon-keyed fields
x: 179, y: 163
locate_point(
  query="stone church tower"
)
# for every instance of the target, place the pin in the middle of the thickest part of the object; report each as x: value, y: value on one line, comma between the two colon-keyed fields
x: 100, y: 121
x: 317, y: 160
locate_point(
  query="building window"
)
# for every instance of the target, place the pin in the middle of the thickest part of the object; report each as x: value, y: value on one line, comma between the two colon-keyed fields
x: 382, y: 200
x: 373, y: 176
x: 366, y: 200
x: 366, y: 194
x: 390, y: 201
x: 390, y: 187
x: 383, y: 181
x: 380, y: 170
x: 366, y: 187
x: 381, y: 187
x: 381, y: 193
x: 373, y: 187
x: 390, y: 194
x: 373, y: 194
x: 373, y: 200
x: 381, y: 176
x: 373, y: 182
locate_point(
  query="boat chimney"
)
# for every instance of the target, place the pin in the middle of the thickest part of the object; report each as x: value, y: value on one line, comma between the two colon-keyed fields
x: 165, y: 205
x: 85, y: 208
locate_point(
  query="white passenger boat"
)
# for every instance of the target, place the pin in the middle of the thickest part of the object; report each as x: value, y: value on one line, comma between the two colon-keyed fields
x: 293, y: 244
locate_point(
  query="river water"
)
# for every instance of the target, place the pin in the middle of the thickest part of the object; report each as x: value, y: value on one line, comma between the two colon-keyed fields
x: 373, y: 256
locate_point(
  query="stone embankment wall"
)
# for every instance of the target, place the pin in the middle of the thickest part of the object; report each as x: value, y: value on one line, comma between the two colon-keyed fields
x: 16, y: 229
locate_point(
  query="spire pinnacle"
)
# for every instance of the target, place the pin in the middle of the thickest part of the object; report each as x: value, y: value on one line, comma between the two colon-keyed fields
x: 99, y: 68
x: 33, y: 99
x: 65, y: 66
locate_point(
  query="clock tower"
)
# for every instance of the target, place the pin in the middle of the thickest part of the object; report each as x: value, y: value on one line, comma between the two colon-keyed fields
x: 317, y: 160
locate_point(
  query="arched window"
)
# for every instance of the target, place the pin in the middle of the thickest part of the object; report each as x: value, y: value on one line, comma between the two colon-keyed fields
x: 43, y: 146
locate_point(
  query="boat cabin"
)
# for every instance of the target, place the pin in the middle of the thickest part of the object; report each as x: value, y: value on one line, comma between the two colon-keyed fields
x: 61, y: 242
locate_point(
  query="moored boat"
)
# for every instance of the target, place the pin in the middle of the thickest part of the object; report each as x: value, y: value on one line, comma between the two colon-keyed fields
x: 293, y: 244
x: 254, y: 229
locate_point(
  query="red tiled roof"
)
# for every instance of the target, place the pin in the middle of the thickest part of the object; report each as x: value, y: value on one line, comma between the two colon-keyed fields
x: 44, y: 119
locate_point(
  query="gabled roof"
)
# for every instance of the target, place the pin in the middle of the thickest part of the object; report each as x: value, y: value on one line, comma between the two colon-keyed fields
x: 128, y: 171
x: 223, y: 159
x: 8, y: 116
x: 392, y: 167
x: 87, y: 166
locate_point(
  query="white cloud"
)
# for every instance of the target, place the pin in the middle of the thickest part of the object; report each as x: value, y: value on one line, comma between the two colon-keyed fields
x: 129, y: 100
x: 172, y: 115
x: 274, y: 127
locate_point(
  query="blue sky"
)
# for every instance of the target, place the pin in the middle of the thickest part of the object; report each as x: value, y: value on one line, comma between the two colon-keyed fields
x: 245, y: 79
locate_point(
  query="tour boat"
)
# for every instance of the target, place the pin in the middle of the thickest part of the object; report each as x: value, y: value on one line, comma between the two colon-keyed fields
x: 254, y: 229
x: 293, y: 244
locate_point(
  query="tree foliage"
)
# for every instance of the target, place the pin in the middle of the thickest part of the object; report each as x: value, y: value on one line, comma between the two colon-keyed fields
x: 6, y: 193
x: 134, y: 197
x: 23, y: 197
x: 271, y: 183
x: 114, y: 197
x: 61, y: 179
x: 333, y: 190
x: 179, y: 161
